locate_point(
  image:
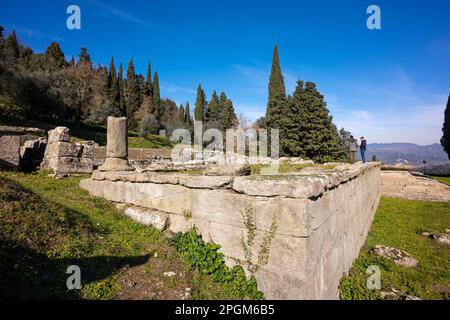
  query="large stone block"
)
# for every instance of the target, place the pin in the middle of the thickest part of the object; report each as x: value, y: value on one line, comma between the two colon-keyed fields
x: 59, y: 134
x: 148, y: 217
x: 10, y: 151
x: 63, y: 149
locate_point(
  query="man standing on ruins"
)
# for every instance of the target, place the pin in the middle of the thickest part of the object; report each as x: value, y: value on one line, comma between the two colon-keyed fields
x: 352, y: 147
x: 362, y: 148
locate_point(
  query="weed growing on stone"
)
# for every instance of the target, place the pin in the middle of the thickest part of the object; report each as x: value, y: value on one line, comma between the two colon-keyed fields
x: 206, y: 258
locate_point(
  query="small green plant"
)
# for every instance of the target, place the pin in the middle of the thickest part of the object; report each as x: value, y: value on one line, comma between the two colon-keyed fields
x: 187, y: 214
x: 206, y: 258
x: 248, y: 242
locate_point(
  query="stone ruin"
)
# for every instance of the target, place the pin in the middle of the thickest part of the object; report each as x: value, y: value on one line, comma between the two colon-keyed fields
x: 413, y: 186
x: 322, y: 215
x: 64, y: 157
x: 21, y: 148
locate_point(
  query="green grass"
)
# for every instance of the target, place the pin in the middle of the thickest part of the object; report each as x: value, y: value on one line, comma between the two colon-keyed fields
x: 98, y: 134
x: 400, y: 223
x: 287, y: 168
x: 445, y: 180
x: 48, y: 224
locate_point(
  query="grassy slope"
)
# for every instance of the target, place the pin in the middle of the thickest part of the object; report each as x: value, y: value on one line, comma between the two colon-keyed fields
x: 399, y: 223
x: 98, y: 134
x: 445, y: 180
x: 47, y: 225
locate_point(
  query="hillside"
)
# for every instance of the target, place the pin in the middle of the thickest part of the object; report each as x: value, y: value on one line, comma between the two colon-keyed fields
x: 411, y: 153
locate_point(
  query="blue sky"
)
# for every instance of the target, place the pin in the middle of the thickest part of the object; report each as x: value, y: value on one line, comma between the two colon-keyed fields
x: 390, y: 85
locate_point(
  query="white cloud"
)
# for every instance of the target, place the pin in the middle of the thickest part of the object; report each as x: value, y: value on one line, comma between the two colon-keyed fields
x: 120, y: 13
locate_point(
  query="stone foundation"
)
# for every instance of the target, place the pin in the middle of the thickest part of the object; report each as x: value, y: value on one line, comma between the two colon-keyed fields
x: 402, y: 184
x: 322, y: 216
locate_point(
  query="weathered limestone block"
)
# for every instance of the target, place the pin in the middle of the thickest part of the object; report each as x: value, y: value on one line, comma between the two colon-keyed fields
x: 61, y: 149
x: 148, y: 217
x: 10, y: 151
x: 228, y: 170
x: 67, y: 165
x: 59, y: 134
x: 399, y: 257
x: 287, y: 186
x: 204, y: 182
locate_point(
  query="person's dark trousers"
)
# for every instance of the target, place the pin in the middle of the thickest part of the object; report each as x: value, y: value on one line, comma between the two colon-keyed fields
x: 363, y: 156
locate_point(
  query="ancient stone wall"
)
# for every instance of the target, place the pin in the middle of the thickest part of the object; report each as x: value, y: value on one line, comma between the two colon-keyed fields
x: 20, y: 146
x: 402, y: 184
x: 322, y: 217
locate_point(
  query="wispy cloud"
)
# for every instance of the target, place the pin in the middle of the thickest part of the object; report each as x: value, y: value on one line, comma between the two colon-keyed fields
x: 26, y: 32
x: 120, y: 13
x: 172, y: 88
x: 440, y: 46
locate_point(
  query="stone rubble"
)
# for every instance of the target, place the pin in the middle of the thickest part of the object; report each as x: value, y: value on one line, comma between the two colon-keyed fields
x: 399, y: 257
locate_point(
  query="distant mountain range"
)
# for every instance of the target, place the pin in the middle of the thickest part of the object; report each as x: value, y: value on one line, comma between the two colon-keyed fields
x: 408, y: 153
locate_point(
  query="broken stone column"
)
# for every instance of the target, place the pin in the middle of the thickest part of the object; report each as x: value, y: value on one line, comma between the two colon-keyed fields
x: 117, y: 146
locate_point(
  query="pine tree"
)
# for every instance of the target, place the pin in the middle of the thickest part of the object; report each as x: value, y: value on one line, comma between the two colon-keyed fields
x: 1, y: 32
x: 293, y: 123
x: 84, y: 58
x: 320, y: 138
x: 133, y: 95
x: 342, y: 147
x: 445, y: 140
x: 212, y: 110
x: 230, y: 115
x: 200, y: 105
x: 55, y: 56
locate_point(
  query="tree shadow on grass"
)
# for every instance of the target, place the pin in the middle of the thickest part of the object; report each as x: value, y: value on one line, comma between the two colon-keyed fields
x: 34, y: 232
x: 27, y: 274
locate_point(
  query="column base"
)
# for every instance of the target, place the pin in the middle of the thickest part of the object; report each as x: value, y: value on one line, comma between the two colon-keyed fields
x: 115, y: 164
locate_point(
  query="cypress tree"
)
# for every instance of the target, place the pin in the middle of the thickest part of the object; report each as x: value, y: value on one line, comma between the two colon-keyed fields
x: 276, y: 80
x: 181, y: 114
x: 133, y: 95
x: 120, y: 85
x: 148, y: 81
x: 114, y: 91
x: 200, y: 105
x: 212, y: 110
x: 445, y: 140
x: 188, y: 114
x: 277, y: 94
x: 12, y: 46
x: 157, y: 97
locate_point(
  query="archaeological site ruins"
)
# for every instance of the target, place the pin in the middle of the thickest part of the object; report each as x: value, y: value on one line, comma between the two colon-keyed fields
x: 319, y: 218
